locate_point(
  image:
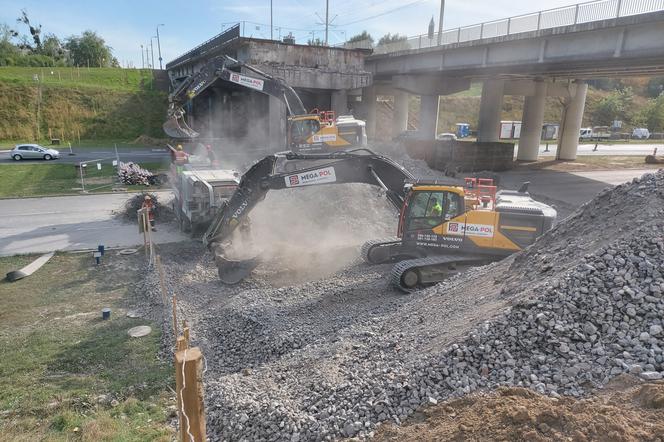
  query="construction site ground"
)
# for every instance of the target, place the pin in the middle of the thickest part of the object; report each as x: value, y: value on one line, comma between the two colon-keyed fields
x: 317, y: 345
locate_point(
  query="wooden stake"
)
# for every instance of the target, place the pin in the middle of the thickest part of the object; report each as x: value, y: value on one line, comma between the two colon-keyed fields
x: 189, y: 389
x: 185, y: 333
x: 175, y: 316
x: 162, y: 285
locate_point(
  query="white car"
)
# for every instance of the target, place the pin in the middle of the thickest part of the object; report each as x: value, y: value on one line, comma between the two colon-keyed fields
x: 33, y: 151
x: 446, y: 136
x: 641, y: 133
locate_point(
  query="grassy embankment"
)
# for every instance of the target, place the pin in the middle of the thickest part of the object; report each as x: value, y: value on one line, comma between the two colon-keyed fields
x: 87, y: 107
x: 63, y: 367
x: 23, y: 180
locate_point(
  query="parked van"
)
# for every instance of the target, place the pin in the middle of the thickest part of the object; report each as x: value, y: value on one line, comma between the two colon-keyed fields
x: 641, y: 133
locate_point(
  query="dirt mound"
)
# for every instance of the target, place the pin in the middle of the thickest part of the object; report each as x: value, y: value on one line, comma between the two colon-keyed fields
x: 162, y: 212
x: 520, y: 414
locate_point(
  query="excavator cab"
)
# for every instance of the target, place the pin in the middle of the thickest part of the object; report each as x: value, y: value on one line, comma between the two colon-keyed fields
x: 302, y: 131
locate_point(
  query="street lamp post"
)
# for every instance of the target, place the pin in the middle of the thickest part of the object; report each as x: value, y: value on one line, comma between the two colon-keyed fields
x: 152, y: 50
x: 159, y: 45
x: 142, y: 58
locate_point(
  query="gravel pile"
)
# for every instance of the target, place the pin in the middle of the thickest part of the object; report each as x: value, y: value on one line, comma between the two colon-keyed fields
x: 338, y: 356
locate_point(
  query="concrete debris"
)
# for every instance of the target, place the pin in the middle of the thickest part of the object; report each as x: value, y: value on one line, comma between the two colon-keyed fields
x: 139, y: 331
x: 336, y: 357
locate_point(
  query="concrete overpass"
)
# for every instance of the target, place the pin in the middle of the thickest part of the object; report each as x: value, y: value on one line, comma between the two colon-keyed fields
x: 546, y: 61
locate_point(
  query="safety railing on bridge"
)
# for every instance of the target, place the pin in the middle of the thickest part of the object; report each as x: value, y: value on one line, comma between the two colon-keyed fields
x: 551, y: 18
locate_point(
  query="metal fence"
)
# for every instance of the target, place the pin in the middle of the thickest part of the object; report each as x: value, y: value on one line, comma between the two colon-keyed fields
x: 551, y: 18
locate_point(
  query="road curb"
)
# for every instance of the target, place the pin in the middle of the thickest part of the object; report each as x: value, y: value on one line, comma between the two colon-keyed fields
x: 83, y: 194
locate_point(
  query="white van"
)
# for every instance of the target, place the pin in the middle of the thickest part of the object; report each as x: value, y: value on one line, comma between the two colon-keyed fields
x: 641, y: 133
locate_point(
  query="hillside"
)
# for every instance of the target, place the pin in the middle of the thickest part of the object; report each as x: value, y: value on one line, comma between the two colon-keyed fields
x: 71, y: 103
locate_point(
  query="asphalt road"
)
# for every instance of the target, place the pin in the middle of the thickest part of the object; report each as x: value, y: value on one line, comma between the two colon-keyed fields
x: 36, y: 225
x: 96, y: 153
x: 608, y: 149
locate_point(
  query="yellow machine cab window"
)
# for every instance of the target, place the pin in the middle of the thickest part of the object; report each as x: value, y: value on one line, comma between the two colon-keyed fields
x: 427, y: 209
x: 301, y: 130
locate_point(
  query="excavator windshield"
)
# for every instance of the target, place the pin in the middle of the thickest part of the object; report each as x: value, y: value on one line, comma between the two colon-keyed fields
x: 302, y: 130
x: 428, y: 209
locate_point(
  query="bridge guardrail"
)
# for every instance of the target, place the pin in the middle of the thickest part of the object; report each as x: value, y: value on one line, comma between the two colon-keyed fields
x: 546, y: 19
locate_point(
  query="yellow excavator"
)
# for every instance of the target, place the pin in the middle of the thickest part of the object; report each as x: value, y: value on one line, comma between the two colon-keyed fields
x: 314, y: 131
x: 442, y: 228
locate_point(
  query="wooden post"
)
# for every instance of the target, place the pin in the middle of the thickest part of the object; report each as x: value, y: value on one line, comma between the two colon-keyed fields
x: 162, y: 285
x: 175, y: 316
x: 189, y: 392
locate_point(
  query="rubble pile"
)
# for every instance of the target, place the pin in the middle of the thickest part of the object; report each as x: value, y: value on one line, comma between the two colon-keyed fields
x: 339, y: 356
x: 132, y: 173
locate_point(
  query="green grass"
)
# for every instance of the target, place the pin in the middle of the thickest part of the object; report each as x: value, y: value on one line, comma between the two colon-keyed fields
x: 59, y: 356
x: 130, y: 80
x: 24, y: 180
x: 104, y: 111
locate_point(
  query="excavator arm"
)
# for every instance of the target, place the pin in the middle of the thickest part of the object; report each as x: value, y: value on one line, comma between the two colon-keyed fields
x: 218, y: 68
x: 291, y: 170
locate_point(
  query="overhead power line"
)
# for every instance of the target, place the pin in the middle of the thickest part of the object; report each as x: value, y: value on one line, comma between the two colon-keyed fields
x: 390, y: 11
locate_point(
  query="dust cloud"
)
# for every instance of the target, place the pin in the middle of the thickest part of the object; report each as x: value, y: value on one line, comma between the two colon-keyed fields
x: 310, y: 233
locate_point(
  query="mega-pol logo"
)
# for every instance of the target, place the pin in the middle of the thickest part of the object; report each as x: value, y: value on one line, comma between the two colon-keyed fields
x: 318, y: 176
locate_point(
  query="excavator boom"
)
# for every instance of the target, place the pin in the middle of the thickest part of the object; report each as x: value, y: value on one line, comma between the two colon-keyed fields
x: 292, y: 170
x: 218, y: 68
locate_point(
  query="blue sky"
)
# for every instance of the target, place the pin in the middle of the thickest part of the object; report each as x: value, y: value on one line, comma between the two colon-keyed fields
x: 125, y: 25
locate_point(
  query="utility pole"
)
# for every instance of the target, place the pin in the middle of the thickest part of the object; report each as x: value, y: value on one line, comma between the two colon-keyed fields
x: 142, y: 58
x: 327, y: 19
x: 147, y: 56
x: 152, y: 50
x: 159, y: 45
x: 271, y: 36
x: 440, y: 22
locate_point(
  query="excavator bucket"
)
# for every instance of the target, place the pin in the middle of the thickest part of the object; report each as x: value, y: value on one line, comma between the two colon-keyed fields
x: 233, y: 271
x: 176, y: 127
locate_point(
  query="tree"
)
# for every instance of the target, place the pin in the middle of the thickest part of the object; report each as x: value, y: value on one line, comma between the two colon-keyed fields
x: 8, y: 51
x: 389, y: 39
x: 89, y: 49
x: 364, y: 36
x: 652, y: 115
x: 35, y: 32
x: 655, y: 87
x: 615, y: 106
x: 53, y: 47
x: 315, y: 42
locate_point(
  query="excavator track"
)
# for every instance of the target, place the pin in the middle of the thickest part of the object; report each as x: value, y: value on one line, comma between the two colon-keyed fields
x: 413, y: 274
x: 370, y: 246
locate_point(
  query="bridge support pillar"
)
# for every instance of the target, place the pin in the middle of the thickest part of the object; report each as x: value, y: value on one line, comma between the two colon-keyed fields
x: 533, y: 118
x: 369, y: 104
x: 276, y: 124
x: 568, y: 141
x: 428, y: 117
x: 490, y: 109
x: 400, y: 115
x: 340, y: 102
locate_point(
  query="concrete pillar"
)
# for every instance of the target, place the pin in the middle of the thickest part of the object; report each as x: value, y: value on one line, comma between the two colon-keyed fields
x: 276, y: 124
x: 340, y: 102
x: 568, y: 141
x: 428, y: 117
x: 490, y: 108
x: 400, y: 115
x: 369, y: 105
x: 533, y: 119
